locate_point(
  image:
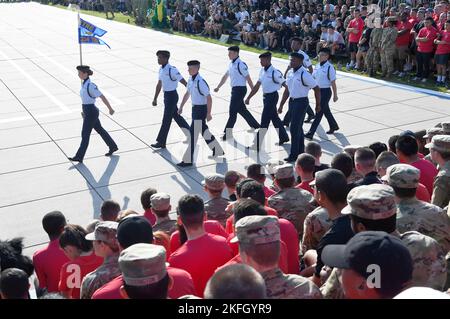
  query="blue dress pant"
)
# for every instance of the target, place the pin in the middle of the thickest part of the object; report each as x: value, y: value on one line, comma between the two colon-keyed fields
x: 297, y: 108
x: 325, y: 96
x: 91, y: 121
x: 237, y: 106
x: 170, y: 112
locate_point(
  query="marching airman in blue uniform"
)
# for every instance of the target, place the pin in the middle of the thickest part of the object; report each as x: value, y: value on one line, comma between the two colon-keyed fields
x: 89, y: 92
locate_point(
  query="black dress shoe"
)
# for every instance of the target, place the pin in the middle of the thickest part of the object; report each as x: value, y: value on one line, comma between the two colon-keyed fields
x: 226, y: 136
x: 75, y: 159
x: 111, y: 151
x: 289, y: 160
x: 331, y: 131
x: 309, y: 136
x: 183, y: 164
x: 216, y: 153
x: 158, y: 145
x: 253, y: 148
x: 282, y: 142
x: 309, y: 119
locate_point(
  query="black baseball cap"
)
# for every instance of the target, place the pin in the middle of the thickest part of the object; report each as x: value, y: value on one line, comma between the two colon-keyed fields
x: 134, y: 230
x: 193, y: 62
x: 265, y: 55
x: 373, y: 248
x: 163, y: 53
x: 234, y: 48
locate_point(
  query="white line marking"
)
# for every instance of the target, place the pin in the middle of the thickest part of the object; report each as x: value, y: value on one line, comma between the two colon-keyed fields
x: 61, y: 105
x: 28, y: 117
x: 114, y: 99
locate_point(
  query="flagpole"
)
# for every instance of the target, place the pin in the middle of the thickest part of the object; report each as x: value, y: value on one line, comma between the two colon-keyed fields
x: 81, y: 51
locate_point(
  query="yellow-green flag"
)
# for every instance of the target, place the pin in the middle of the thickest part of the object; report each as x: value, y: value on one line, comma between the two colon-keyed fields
x: 159, y: 19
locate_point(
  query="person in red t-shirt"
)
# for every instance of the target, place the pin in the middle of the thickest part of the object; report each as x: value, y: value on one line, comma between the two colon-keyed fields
x: 134, y: 230
x: 407, y: 152
x: 304, y: 167
x: 178, y: 238
x: 49, y: 260
x: 425, y: 47
x: 110, y: 210
x: 257, y: 172
x: 202, y: 253
x: 442, y: 53
x: 354, y: 30
x: 260, y: 198
x: 144, y: 272
x: 147, y: 205
x: 82, y: 258
x: 413, y: 18
x: 402, y: 43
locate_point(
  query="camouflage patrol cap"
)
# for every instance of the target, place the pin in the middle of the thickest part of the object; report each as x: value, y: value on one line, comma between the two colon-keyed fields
x: 257, y: 230
x: 143, y: 264
x: 104, y: 231
x: 433, y: 131
x: 160, y: 201
x: 215, y: 182
x: 402, y: 176
x: 440, y: 143
x: 272, y: 163
x: 446, y: 127
x: 284, y: 171
x: 429, y: 260
x: 374, y: 202
x: 392, y: 19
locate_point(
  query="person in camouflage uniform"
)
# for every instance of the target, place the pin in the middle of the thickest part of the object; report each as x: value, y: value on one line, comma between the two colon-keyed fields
x: 356, y: 260
x: 315, y: 226
x: 108, y: 7
x: 216, y: 206
x: 291, y: 203
x: 428, y: 136
x: 374, y: 206
x: 270, y: 167
x: 440, y: 153
x: 373, y: 54
x: 106, y: 246
x: 413, y: 214
x: 259, y: 246
x: 139, y: 8
x: 388, y: 47
x: 144, y: 266
x: 161, y: 208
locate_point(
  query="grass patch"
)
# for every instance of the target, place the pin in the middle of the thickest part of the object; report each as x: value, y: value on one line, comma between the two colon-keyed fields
x: 120, y: 17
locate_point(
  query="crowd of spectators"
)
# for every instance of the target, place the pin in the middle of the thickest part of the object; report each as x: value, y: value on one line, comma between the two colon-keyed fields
x: 269, y: 231
x: 421, y: 49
